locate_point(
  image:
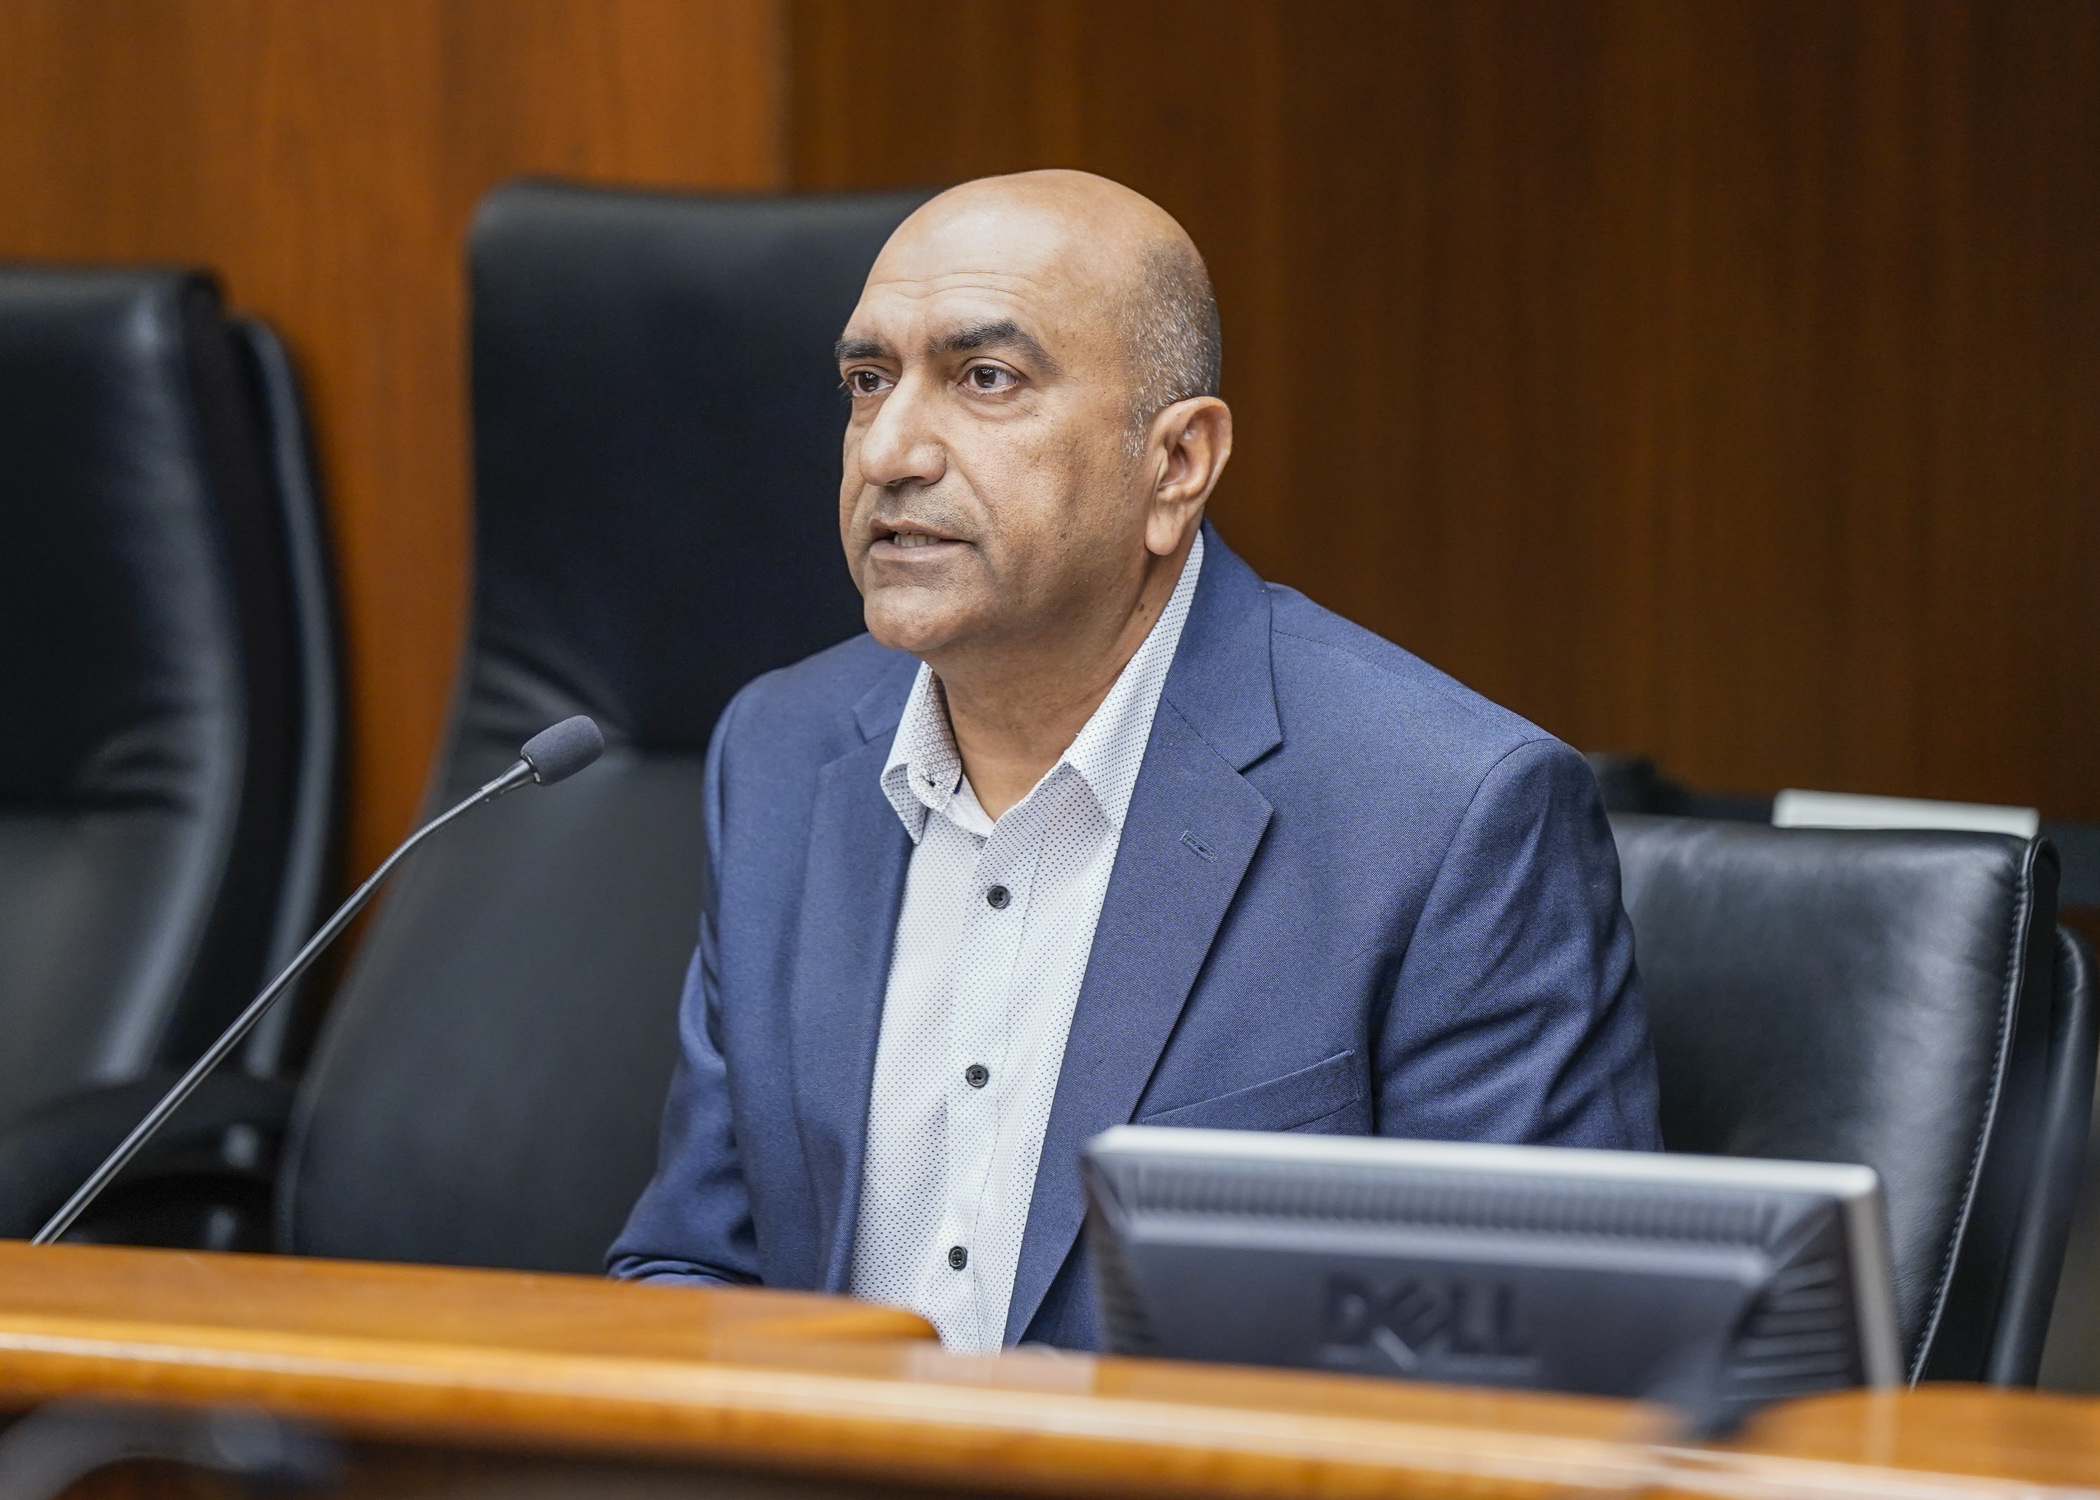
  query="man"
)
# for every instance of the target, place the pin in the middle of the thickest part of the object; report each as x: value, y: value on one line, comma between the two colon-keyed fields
x: 1095, y: 826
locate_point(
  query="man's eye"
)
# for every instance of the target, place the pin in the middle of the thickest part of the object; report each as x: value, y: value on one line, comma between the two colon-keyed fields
x: 989, y: 378
x: 865, y: 382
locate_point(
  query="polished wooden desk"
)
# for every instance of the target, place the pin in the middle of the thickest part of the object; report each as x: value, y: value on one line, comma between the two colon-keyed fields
x: 455, y: 1382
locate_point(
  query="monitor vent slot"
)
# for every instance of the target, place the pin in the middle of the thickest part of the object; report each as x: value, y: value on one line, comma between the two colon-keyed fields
x: 1796, y: 1342
x: 1123, y: 1316
x: 1796, y: 1338
x: 1457, y: 1201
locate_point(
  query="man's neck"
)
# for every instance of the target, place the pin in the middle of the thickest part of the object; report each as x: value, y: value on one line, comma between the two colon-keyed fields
x: 1013, y: 715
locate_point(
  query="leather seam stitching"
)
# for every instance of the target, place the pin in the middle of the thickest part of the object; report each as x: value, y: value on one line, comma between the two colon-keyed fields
x: 2022, y: 916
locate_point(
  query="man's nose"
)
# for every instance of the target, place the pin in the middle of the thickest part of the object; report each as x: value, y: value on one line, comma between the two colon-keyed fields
x: 900, y: 445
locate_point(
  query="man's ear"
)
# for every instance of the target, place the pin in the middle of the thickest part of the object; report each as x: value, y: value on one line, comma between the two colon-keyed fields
x: 1186, y: 448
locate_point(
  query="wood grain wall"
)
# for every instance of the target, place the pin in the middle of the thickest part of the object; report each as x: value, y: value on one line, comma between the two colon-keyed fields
x: 324, y: 155
x: 1715, y: 378
x: 1718, y: 378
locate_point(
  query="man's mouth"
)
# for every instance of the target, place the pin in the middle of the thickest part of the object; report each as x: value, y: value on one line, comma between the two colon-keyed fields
x: 912, y: 541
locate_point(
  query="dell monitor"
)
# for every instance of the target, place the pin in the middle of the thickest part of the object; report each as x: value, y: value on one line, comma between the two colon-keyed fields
x: 1712, y: 1283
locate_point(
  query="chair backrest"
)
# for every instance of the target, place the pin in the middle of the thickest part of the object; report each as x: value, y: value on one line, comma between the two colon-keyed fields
x: 1888, y: 998
x: 153, y: 841
x: 656, y: 436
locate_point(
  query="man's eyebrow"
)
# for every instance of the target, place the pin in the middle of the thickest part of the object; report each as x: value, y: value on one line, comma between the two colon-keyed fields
x: 990, y: 336
x: 851, y: 349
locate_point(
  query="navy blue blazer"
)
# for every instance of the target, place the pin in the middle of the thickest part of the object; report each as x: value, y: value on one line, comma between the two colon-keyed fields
x: 1351, y: 896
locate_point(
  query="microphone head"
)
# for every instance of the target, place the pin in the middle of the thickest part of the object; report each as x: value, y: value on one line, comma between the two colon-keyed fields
x: 561, y: 750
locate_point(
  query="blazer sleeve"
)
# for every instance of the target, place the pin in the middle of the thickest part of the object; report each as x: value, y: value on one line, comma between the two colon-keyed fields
x: 693, y: 1221
x: 1517, y: 1014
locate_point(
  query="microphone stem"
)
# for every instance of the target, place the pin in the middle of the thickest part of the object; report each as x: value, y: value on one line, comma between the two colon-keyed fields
x: 185, y: 1086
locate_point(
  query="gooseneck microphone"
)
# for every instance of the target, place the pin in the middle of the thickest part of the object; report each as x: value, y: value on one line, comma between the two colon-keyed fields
x: 554, y: 754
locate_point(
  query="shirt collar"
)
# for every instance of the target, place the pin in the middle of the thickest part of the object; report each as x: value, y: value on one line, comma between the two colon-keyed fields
x: 924, y: 771
x: 924, y: 768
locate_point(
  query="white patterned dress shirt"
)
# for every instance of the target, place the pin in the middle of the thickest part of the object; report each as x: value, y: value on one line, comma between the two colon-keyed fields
x: 991, y: 945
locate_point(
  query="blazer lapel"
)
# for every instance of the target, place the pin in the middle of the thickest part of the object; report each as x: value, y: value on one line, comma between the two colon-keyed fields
x: 853, y: 888
x: 1192, y: 829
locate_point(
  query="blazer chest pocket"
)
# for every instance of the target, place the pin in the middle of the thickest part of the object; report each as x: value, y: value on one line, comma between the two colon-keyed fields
x: 1327, y: 1097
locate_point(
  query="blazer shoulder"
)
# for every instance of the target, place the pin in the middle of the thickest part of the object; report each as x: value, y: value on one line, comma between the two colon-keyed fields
x: 815, y: 698
x: 1335, y: 673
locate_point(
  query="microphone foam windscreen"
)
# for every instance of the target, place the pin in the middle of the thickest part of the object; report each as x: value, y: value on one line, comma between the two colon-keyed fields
x: 561, y: 750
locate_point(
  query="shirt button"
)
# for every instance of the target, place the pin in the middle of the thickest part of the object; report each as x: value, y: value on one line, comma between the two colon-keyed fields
x: 998, y: 896
x: 977, y: 1075
x: 957, y: 1257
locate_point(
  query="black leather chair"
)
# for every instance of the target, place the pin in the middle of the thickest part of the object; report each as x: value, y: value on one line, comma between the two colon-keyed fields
x: 1635, y: 784
x: 656, y: 437
x: 1902, y: 999
x: 169, y: 775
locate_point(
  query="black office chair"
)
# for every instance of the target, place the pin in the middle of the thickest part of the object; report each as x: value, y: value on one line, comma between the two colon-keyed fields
x: 1902, y: 999
x: 170, y: 772
x: 1635, y: 784
x: 656, y: 435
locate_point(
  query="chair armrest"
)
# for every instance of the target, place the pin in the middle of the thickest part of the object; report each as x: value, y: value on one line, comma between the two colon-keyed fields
x: 203, y: 1183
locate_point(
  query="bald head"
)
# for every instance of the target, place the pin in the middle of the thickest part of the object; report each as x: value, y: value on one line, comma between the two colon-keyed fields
x: 1033, y: 367
x: 1131, y: 266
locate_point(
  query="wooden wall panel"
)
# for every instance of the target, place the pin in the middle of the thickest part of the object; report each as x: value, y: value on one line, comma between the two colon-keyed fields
x: 325, y: 157
x: 1715, y: 378
x: 1719, y: 378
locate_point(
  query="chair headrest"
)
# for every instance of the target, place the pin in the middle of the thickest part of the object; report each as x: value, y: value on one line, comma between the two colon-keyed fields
x: 657, y: 426
x: 122, y: 679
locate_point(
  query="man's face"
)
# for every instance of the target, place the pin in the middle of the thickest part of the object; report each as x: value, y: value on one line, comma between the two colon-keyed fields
x: 988, y: 489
